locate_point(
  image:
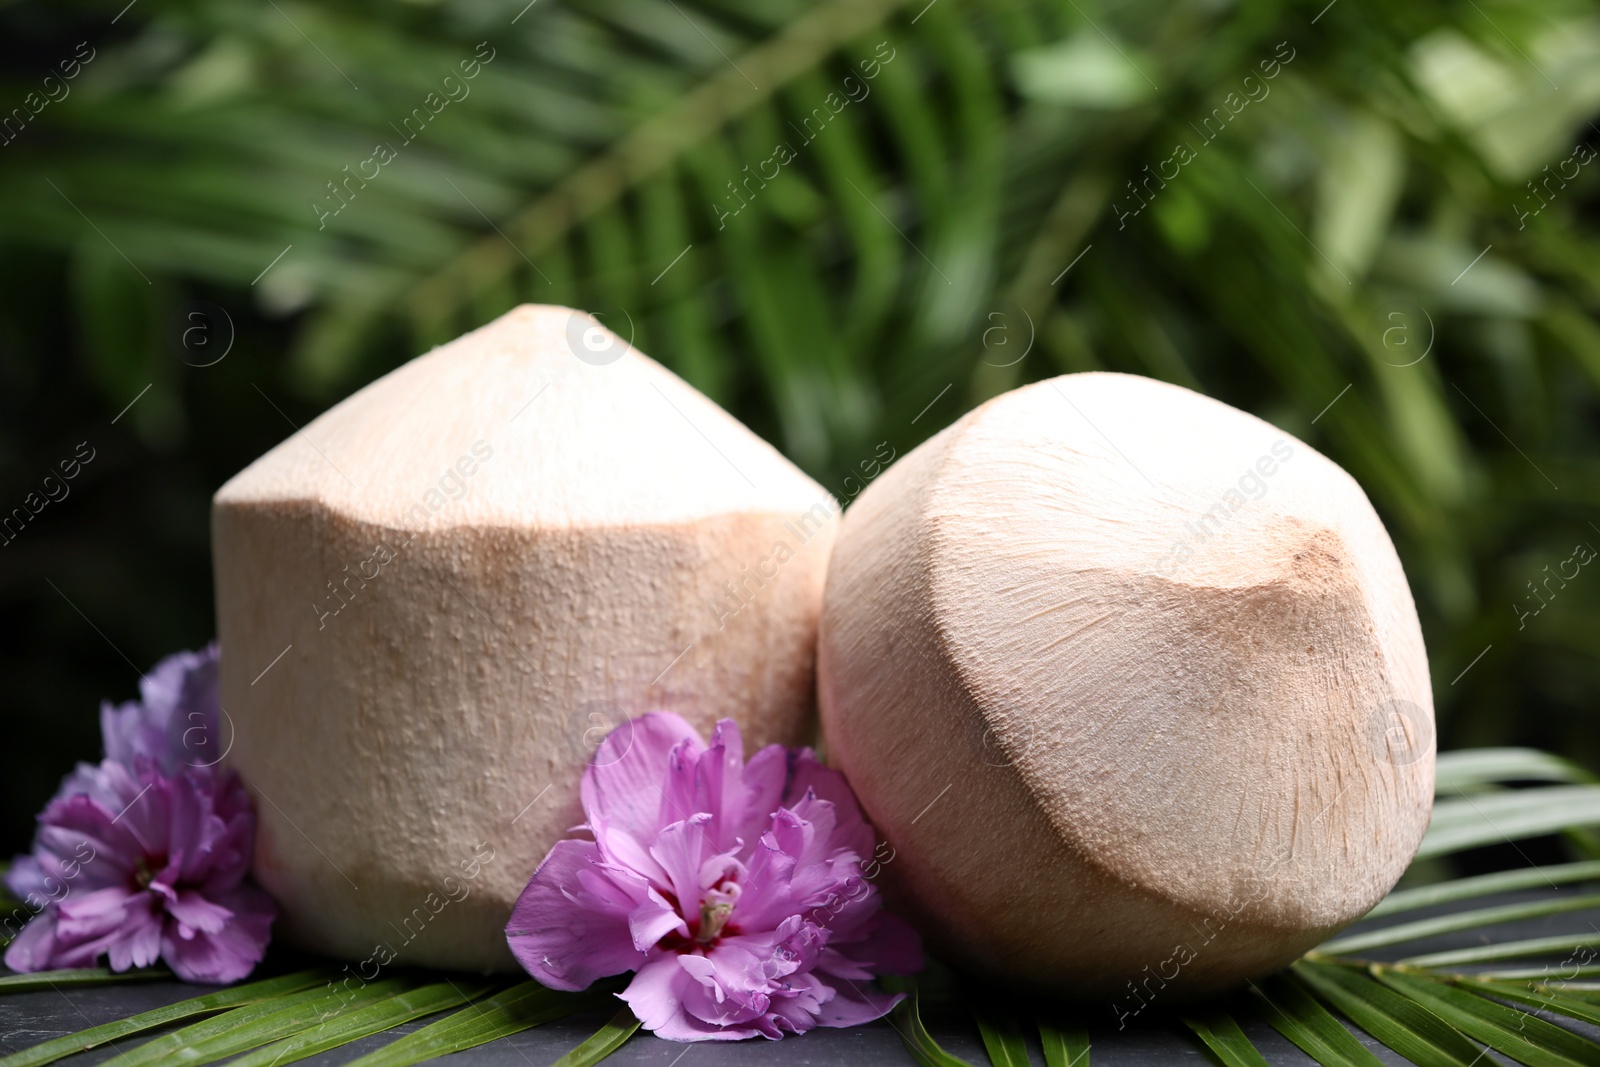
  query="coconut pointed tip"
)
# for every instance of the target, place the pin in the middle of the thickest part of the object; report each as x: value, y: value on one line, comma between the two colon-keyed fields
x: 517, y: 423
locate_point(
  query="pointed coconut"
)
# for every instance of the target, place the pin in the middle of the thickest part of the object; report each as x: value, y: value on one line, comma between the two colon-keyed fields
x: 435, y: 599
x: 1132, y: 684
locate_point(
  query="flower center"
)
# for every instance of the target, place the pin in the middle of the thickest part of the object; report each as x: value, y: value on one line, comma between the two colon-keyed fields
x: 713, y: 917
x: 145, y: 869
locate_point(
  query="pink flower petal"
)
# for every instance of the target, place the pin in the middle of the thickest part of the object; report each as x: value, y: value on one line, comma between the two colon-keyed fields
x: 653, y: 920
x: 680, y: 850
x: 34, y: 949
x: 762, y: 784
x: 622, y: 783
x: 851, y: 830
x: 656, y: 996
x: 719, y: 784
x: 139, y: 944
x: 853, y: 1005
x: 194, y: 910
x: 91, y: 914
x: 566, y: 943
x: 735, y: 890
x: 148, y: 871
x: 622, y: 849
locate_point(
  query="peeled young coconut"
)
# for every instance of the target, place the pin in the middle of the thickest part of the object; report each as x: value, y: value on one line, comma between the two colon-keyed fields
x: 1132, y: 686
x: 435, y: 600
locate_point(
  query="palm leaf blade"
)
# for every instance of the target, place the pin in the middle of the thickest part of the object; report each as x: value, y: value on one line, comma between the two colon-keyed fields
x: 39, y: 981
x: 525, y: 1005
x: 610, y: 1037
x: 246, y: 1027
x: 923, y: 1048
x: 1064, y: 1047
x: 222, y: 1000
x: 1486, y: 884
x: 1002, y: 1039
x: 1222, y: 1035
x: 1480, y: 766
x: 1467, y: 822
x: 401, y: 1008
x: 1505, y: 950
x: 1396, y: 1020
x: 1464, y: 920
x: 1296, y: 1015
x: 1517, y: 1034
x: 1528, y: 993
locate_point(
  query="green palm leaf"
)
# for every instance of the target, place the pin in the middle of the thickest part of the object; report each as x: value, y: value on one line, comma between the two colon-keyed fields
x: 1002, y: 1038
x: 246, y: 1027
x: 1527, y: 993
x: 222, y: 1000
x: 1398, y: 1021
x: 1464, y: 920
x: 39, y: 981
x: 1524, y: 1037
x: 402, y: 1007
x: 610, y: 1037
x: 525, y: 1005
x: 1428, y: 896
x: 1227, y: 1041
x: 1296, y: 1015
x: 1064, y: 1047
x: 919, y: 1043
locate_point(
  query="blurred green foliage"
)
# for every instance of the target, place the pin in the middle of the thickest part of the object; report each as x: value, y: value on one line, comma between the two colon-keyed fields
x: 1371, y: 224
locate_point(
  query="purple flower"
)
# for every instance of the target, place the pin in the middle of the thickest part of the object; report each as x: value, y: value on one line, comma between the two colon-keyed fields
x: 175, y: 720
x: 144, y: 866
x: 734, y: 890
x: 144, y: 856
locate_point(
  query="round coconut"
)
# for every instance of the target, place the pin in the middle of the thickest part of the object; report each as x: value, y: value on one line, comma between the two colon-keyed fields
x: 1132, y: 685
x: 436, y: 599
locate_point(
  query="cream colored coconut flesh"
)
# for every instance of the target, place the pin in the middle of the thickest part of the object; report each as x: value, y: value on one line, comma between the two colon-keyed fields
x: 1133, y: 685
x: 435, y: 599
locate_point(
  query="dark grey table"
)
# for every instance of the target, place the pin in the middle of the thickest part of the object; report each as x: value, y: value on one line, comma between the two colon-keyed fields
x: 1153, y: 1039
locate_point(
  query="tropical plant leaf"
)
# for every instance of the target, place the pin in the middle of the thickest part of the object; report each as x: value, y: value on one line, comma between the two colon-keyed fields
x: 1418, y: 929
x: 523, y: 1006
x: 1468, y: 767
x: 1295, y: 1014
x: 1567, y: 978
x: 1538, y: 996
x: 1504, y: 950
x: 402, y: 1007
x: 1222, y: 1035
x: 610, y: 1037
x: 1428, y: 896
x: 1396, y: 1020
x: 222, y: 1000
x: 1469, y: 821
x: 249, y: 1026
x: 1524, y: 1037
x: 38, y: 981
x: 1064, y: 1047
x: 1002, y: 1038
x: 908, y: 1024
